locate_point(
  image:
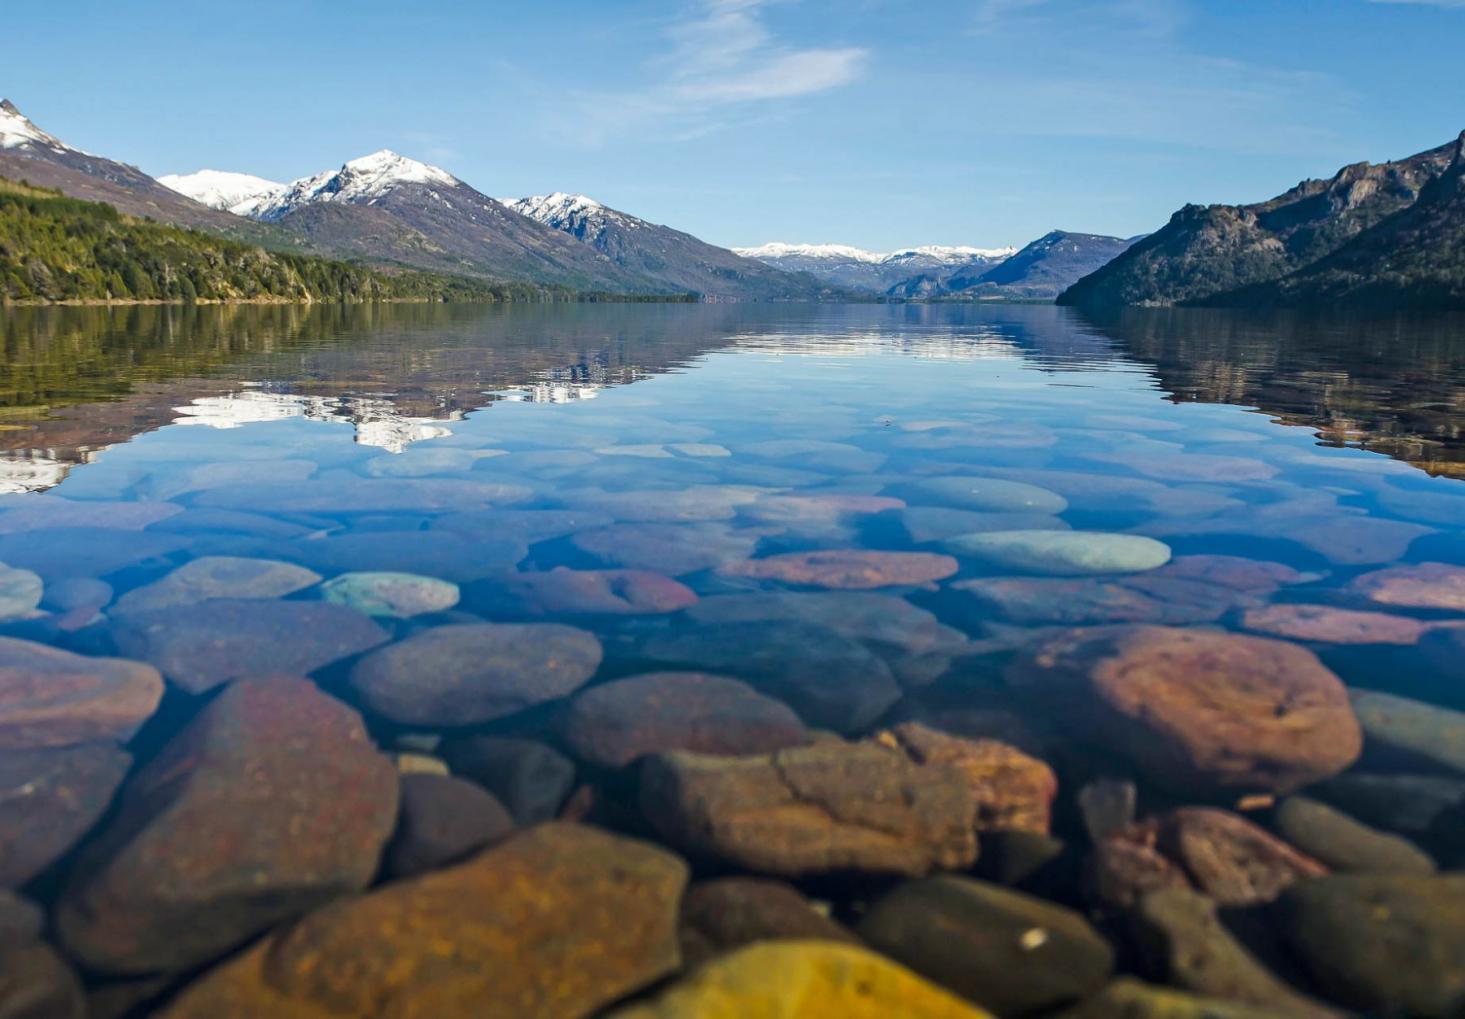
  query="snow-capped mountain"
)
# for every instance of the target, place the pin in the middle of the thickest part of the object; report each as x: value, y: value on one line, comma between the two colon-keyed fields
x: 29, y: 153
x: 238, y: 193
x: 1039, y: 272
x: 647, y: 248
x: 360, y: 182
x: 877, y: 271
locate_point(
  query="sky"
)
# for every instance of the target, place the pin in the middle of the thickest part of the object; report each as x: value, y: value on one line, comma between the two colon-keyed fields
x: 879, y: 123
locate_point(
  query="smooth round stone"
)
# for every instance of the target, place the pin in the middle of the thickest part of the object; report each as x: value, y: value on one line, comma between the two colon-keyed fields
x: 1323, y: 624
x: 817, y: 511
x: 20, y: 592
x: 673, y: 549
x: 861, y: 615
x: 441, y: 820
x: 53, y: 698
x: 727, y: 913
x: 1411, y: 731
x: 47, y: 512
x: 52, y: 798
x: 1092, y: 600
x: 798, y: 979
x: 697, y: 502
x: 1419, y: 586
x: 531, y: 778
x: 1063, y: 553
x: 934, y: 523
x: 78, y: 593
x: 451, y: 556
x: 1128, y: 998
x: 332, y: 496
x: 816, y: 454
x: 227, y: 472
x: 847, y: 569
x: 399, y: 595
x: 475, y: 672
x: 1344, y: 844
x: 563, y: 591
x: 991, y: 495
x: 613, y: 724
x: 421, y: 463
x: 198, y: 647
x: 526, y: 526
x: 212, y: 577
x: 63, y: 552
x: 1006, y: 951
x: 1387, y: 945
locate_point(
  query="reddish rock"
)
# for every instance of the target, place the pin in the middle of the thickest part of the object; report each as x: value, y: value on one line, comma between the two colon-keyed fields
x: 51, y: 798
x: 1326, y: 625
x: 1127, y: 863
x: 825, y: 808
x: 475, y: 672
x: 1197, y: 710
x: 53, y: 698
x: 1418, y: 586
x: 727, y: 913
x: 1230, y: 859
x: 1014, y: 791
x: 588, y: 592
x: 1252, y: 576
x: 556, y: 923
x: 613, y: 724
x: 269, y: 803
x: 847, y: 569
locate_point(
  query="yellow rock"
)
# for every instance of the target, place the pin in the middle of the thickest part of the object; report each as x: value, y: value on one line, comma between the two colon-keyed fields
x: 803, y: 980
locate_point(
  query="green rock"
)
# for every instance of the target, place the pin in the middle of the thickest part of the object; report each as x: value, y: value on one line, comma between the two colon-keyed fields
x: 399, y: 595
x: 1403, y: 728
x: 1063, y: 553
x: 1009, y: 952
x: 1393, y: 945
x: 1343, y: 844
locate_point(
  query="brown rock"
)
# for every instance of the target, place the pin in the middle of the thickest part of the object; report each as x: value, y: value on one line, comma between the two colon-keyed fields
x: 555, y: 923
x: 847, y: 569
x: 1127, y: 864
x: 36, y: 983
x: 587, y: 592
x: 1326, y: 625
x: 269, y: 803
x: 201, y: 646
x: 1195, y: 709
x: 1230, y: 859
x: 53, y: 698
x: 441, y: 820
x: 51, y: 798
x: 1014, y: 791
x: 829, y: 807
x: 475, y: 672
x: 1416, y: 586
x: 613, y: 724
x: 728, y: 913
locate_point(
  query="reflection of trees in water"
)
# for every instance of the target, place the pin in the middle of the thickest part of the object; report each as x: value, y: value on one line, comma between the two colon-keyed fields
x: 1395, y: 386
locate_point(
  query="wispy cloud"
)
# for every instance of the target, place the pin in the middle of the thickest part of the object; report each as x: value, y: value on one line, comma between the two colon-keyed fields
x: 720, y: 57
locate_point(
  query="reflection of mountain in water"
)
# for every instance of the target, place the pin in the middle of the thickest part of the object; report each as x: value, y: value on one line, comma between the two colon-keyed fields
x: 1392, y: 386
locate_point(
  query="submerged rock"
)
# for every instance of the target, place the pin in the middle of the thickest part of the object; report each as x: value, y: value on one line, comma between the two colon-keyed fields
x: 673, y: 549
x: 1006, y: 951
x: 989, y: 495
x: 556, y: 923
x: 45, y: 512
x: 1410, y: 731
x: 213, y: 577
x: 1014, y: 790
x: 475, y: 672
x: 1415, y: 586
x: 802, y: 978
x: 333, y: 496
x: 727, y: 913
x: 696, y: 502
x: 530, y: 778
x: 398, y: 595
x: 613, y: 724
x: 520, y: 526
x: 1230, y: 859
x: 201, y: 646
x: 61, y: 553
x: 52, y: 797
x: 1324, y: 624
x: 872, y: 617
x: 563, y: 591
x: 1063, y: 553
x: 441, y: 820
x: 269, y: 803
x: 443, y: 554
x: 824, y: 808
x: 934, y: 523
x: 1127, y: 998
x: 1344, y: 844
x: 53, y: 698
x: 1390, y: 945
x: 1195, y: 709
x: 847, y: 569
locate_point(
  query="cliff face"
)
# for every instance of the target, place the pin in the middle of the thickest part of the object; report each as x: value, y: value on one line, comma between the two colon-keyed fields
x: 1206, y: 251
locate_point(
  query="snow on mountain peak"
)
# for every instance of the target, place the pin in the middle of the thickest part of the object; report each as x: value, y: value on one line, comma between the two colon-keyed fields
x: 385, y: 168
x: 778, y: 249
x: 16, y: 131
x: 949, y: 254
x: 239, y: 193
x: 359, y: 181
x: 562, y: 209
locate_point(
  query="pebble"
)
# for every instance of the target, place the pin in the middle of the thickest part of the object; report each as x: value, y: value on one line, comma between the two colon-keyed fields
x: 211, y: 577
x: 847, y: 569
x: 530, y: 778
x: 397, y: 595
x: 53, y: 698
x: 989, y: 495
x: 1062, y: 553
x: 1344, y: 844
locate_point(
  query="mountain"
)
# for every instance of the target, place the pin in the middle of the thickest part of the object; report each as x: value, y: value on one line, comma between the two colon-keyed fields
x: 1207, y: 250
x: 239, y: 193
x: 659, y: 252
x: 1039, y: 272
x: 1414, y: 259
x: 30, y: 154
x: 870, y: 271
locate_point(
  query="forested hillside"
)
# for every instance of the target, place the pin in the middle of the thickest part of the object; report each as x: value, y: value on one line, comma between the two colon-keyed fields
x: 54, y: 248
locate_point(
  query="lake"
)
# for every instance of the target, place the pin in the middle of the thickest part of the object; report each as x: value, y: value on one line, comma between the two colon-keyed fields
x: 1113, y: 590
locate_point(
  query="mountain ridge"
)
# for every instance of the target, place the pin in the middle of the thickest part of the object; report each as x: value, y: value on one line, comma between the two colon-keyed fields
x: 1040, y: 271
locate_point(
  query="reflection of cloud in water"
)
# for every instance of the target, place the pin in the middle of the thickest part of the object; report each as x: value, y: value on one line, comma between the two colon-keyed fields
x: 376, y: 420
x: 33, y: 473
x: 548, y: 392
x: 964, y: 346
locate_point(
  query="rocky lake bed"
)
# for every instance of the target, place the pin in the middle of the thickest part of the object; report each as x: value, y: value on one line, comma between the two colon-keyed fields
x: 879, y: 662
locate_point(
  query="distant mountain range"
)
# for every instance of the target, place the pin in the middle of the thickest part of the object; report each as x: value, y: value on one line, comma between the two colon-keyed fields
x: 869, y: 271
x: 1390, y: 235
x: 1039, y: 272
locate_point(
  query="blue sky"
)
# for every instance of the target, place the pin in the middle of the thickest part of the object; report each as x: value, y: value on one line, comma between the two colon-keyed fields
x: 870, y: 122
